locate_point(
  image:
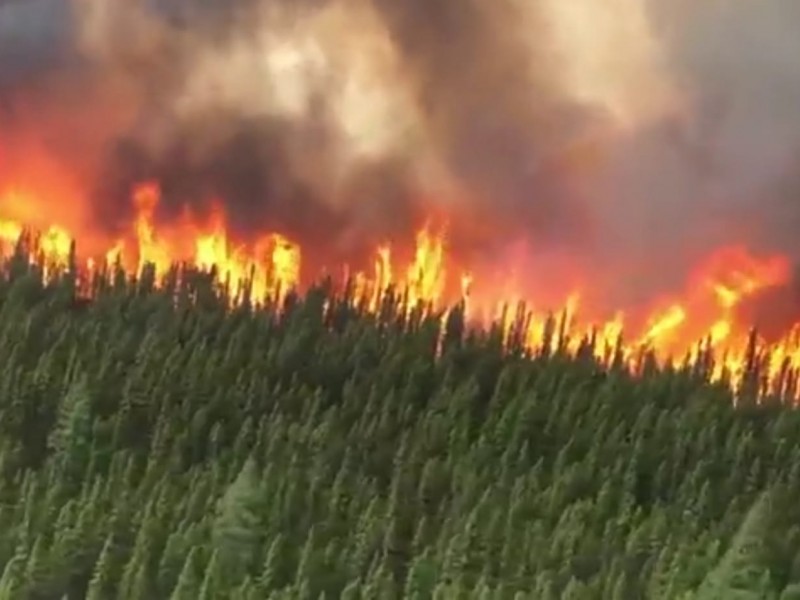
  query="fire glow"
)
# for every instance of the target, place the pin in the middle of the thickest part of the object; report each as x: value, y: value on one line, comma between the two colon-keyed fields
x: 701, y: 322
x: 622, y: 179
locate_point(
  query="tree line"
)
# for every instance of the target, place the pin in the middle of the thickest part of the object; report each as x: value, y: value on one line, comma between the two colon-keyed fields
x: 158, y: 442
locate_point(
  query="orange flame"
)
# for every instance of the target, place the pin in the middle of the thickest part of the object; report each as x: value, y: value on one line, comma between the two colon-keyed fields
x: 705, y: 317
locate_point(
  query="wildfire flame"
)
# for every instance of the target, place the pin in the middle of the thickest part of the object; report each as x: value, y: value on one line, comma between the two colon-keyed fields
x: 702, y: 321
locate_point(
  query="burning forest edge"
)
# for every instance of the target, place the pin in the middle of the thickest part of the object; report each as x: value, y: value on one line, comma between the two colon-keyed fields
x: 497, y: 157
x: 378, y: 299
x: 268, y: 274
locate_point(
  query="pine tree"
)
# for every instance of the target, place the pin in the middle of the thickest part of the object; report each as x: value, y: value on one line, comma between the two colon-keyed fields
x: 352, y: 591
x: 101, y: 583
x: 191, y: 577
x: 12, y: 582
x: 248, y: 590
x: 276, y: 568
x: 213, y: 586
x: 236, y: 527
x: 740, y: 573
x: 36, y: 571
x: 380, y: 585
x: 422, y: 577
x: 310, y: 563
x: 71, y: 438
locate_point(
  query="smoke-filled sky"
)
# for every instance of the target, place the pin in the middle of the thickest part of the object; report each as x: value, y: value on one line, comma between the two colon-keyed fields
x: 636, y: 133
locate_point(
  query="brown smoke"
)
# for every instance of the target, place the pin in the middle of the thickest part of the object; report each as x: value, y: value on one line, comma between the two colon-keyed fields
x: 638, y: 135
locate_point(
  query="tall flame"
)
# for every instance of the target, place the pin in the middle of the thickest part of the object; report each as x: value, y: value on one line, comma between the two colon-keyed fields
x: 703, y: 319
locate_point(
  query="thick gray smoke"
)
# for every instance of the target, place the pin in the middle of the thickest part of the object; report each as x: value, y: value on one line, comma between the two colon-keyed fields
x: 727, y: 170
x: 635, y: 143
x: 32, y: 36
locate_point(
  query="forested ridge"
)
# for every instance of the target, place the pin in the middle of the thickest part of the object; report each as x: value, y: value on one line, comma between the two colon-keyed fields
x: 157, y: 444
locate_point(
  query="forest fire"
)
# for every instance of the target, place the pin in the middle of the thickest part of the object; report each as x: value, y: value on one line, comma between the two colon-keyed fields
x: 631, y: 179
x: 703, y: 321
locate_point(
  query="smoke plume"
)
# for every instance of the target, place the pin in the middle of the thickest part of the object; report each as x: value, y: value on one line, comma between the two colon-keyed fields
x: 622, y: 141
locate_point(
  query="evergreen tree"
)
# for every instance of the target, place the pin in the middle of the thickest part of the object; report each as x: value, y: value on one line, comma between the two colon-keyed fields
x: 741, y: 572
x: 12, y: 582
x: 212, y: 587
x: 191, y: 578
x: 71, y: 437
x: 101, y: 583
x: 158, y: 442
x: 236, y: 527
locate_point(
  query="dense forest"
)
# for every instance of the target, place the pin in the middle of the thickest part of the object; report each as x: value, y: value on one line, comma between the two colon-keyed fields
x: 157, y: 442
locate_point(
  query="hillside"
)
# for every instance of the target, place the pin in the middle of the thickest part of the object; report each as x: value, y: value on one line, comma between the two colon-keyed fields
x: 155, y: 443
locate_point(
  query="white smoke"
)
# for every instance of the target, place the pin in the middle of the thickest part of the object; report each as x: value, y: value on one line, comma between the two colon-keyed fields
x: 630, y: 135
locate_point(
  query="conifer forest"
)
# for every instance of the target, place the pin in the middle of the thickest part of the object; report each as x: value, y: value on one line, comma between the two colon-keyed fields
x: 399, y: 300
x: 157, y: 442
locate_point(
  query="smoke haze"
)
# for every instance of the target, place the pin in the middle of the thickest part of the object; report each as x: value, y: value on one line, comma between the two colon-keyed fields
x: 556, y: 135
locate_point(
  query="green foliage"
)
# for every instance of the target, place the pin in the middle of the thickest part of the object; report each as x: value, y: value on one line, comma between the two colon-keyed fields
x: 743, y: 573
x: 236, y: 528
x: 156, y: 444
x: 190, y: 580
